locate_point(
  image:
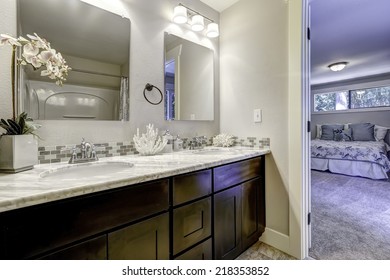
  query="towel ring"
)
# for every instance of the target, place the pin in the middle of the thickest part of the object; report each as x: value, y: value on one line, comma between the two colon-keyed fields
x: 149, y: 87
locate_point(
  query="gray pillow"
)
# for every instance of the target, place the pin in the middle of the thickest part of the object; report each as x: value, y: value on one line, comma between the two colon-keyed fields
x: 362, y: 131
x: 327, y: 130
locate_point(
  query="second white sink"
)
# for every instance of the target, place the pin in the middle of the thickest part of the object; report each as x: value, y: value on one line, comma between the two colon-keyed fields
x: 85, y: 170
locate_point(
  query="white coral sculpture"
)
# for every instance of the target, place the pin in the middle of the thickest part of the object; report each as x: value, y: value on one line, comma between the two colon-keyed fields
x: 149, y: 143
x: 223, y: 140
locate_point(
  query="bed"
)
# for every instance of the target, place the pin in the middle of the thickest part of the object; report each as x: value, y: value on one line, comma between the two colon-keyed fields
x: 368, y: 159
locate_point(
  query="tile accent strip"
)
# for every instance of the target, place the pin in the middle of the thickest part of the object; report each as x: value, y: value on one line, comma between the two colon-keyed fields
x: 53, y: 154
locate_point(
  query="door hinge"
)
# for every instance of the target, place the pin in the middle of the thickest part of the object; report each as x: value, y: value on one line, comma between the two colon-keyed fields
x: 308, y: 126
x: 309, y: 218
x: 308, y: 33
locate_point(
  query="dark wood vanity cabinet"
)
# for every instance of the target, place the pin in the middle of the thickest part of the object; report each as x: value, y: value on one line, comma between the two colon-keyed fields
x: 227, y: 223
x: 38, y: 231
x: 209, y: 214
x: 147, y: 240
x: 191, y: 214
x: 239, y: 207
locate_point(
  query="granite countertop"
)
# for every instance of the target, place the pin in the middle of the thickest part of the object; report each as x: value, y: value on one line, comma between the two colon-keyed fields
x: 31, y: 187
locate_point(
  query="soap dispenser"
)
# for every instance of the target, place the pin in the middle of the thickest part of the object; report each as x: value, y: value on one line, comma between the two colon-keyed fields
x: 178, y: 144
x: 169, y: 146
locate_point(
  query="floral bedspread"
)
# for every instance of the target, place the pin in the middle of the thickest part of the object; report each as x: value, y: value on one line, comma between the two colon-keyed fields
x: 368, y: 151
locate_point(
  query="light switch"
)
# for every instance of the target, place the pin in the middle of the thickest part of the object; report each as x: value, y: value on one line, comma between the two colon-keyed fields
x: 257, y: 115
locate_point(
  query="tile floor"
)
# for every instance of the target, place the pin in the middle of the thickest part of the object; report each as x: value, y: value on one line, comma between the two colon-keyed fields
x: 262, y: 251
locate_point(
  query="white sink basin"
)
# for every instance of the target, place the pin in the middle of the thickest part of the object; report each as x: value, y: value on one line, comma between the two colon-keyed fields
x: 87, y: 170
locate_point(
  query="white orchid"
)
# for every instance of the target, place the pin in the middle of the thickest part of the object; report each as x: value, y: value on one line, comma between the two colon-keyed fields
x: 37, y: 52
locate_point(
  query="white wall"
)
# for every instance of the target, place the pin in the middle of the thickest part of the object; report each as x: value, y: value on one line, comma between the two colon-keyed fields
x: 148, y: 23
x: 261, y: 67
x: 254, y: 74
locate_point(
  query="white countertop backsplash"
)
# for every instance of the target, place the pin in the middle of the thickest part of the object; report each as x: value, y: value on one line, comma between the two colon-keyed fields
x: 29, y: 188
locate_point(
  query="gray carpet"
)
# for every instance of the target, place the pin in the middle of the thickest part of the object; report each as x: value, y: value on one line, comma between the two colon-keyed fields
x: 350, y: 218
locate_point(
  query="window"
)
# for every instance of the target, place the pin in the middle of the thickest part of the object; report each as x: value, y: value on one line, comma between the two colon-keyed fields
x: 353, y: 99
x: 369, y: 98
x: 331, y: 101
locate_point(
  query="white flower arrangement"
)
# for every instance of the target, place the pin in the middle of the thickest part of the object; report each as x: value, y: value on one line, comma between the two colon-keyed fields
x: 149, y: 143
x: 223, y: 140
x: 37, y: 52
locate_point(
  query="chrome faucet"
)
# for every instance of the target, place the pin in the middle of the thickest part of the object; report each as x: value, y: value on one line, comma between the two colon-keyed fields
x: 88, y: 153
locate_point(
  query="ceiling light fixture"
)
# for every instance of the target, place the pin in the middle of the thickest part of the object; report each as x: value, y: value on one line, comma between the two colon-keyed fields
x: 338, y: 66
x: 181, y: 14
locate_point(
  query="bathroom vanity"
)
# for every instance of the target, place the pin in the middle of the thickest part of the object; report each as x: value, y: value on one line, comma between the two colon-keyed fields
x: 203, y: 207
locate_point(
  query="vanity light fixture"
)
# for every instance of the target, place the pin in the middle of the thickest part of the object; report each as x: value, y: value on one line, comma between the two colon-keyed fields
x: 338, y: 66
x: 181, y: 14
x: 197, y: 23
x: 212, y: 30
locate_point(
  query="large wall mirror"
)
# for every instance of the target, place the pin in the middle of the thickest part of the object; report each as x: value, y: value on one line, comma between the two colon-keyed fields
x: 189, y: 80
x: 96, y: 45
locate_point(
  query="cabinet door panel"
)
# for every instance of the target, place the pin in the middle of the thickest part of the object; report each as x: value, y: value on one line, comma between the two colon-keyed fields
x: 191, y: 224
x: 32, y: 231
x: 253, y: 211
x: 202, y: 251
x: 232, y: 174
x: 227, y: 223
x: 147, y: 240
x: 191, y: 186
x: 94, y: 249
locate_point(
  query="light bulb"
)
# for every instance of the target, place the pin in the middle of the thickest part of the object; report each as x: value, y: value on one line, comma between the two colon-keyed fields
x: 212, y: 30
x: 197, y: 23
x: 180, y: 14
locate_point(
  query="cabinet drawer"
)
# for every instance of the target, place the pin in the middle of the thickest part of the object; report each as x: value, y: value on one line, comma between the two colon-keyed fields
x: 203, y: 251
x: 147, y: 240
x: 34, y: 230
x: 188, y: 187
x: 235, y: 173
x: 94, y: 249
x: 191, y: 224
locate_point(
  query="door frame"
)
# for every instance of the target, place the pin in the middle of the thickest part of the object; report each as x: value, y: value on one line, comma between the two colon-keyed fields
x: 306, y: 132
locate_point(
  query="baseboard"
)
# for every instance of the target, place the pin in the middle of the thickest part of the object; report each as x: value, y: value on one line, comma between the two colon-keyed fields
x: 277, y: 240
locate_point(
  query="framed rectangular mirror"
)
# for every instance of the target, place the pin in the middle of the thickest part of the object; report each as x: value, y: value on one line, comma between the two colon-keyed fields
x: 96, y: 45
x: 189, y: 80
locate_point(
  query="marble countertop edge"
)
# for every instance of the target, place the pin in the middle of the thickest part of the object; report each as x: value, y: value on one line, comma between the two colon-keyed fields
x: 28, y: 188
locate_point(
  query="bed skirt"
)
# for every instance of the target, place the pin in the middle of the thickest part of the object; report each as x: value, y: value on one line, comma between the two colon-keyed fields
x: 352, y: 168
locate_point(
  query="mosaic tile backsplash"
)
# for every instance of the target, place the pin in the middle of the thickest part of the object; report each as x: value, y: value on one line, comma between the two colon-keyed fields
x: 53, y: 154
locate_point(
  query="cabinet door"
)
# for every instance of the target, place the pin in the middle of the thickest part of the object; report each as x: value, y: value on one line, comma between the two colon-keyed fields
x: 202, y: 251
x: 191, y: 224
x: 147, y: 240
x: 253, y: 211
x: 235, y: 173
x: 94, y: 249
x: 227, y: 223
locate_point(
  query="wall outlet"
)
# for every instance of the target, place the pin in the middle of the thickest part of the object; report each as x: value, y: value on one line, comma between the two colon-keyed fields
x: 257, y: 115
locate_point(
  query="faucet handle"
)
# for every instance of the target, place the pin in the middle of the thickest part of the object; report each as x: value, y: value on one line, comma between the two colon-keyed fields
x: 72, y: 149
x: 93, y: 152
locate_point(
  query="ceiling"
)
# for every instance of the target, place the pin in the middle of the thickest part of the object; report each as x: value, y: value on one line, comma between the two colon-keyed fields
x: 356, y: 31
x: 219, y: 5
